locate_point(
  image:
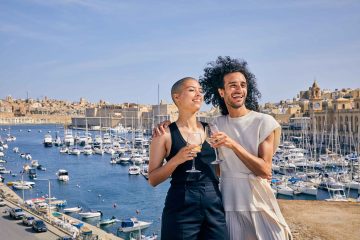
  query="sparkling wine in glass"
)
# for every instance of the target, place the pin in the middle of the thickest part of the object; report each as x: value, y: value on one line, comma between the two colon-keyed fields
x: 194, y: 139
x: 211, y: 129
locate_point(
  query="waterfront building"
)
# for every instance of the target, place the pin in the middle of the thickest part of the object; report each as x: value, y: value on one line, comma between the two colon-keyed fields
x: 333, y: 116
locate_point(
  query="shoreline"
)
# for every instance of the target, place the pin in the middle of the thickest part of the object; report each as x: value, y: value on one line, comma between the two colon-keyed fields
x: 307, y: 219
x: 8, y: 194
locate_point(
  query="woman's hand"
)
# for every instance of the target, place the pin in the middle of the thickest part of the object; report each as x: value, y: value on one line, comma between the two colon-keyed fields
x: 186, y: 153
x: 160, y: 128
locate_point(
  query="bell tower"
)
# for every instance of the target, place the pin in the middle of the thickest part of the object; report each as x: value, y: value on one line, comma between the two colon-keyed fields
x: 315, y: 97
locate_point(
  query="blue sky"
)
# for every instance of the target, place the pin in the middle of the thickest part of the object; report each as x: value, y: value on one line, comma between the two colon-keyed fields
x: 119, y: 51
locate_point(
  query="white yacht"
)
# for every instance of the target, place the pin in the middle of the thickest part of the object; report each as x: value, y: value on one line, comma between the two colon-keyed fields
x: 134, y: 170
x: 137, y: 158
x: 305, y: 188
x: 124, y: 158
x: 63, y: 175
x: 99, y: 151
x: 68, y: 138
x: 133, y: 224
x: 107, y: 138
x: 48, y: 142
x: 337, y: 195
x: 109, y: 150
x: 87, y: 150
x: 90, y: 214
x: 72, y: 209
x: 74, y: 151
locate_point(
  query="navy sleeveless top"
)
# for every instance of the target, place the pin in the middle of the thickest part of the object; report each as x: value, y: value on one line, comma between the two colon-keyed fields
x: 202, y: 161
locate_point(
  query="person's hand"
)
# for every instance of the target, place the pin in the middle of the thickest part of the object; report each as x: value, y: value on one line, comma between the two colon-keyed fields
x: 267, y: 177
x: 220, y: 139
x: 160, y: 128
x: 186, y: 153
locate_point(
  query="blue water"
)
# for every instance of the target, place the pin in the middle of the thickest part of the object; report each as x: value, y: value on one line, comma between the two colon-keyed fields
x: 94, y: 184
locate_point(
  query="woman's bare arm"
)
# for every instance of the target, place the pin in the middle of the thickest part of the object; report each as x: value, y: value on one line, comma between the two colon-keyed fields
x: 159, y: 172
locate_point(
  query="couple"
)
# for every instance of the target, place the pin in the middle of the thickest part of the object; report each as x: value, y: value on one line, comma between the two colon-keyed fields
x: 246, y: 208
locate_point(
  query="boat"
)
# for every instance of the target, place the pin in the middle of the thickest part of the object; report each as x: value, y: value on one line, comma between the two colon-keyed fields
x: 142, y: 237
x: 48, y: 142
x: 134, y: 170
x: 132, y: 224
x: 63, y: 175
x: 22, y: 185
x: 90, y: 214
x: 68, y: 139
x: 28, y: 156
x: 72, y: 209
x: 41, y: 167
x: 74, y: 151
x: 337, y: 195
x: 87, y: 150
x: 305, y: 188
x: 32, y: 173
x: 64, y: 150
x: 34, y: 163
x: 145, y: 171
x: 107, y: 221
x: 99, y: 151
x: 124, y: 158
x: 3, y: 170
x: 59, y: 203
x: 20, y: 182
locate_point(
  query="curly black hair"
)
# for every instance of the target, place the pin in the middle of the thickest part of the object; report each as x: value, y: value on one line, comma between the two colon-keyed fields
x: 214, y: 78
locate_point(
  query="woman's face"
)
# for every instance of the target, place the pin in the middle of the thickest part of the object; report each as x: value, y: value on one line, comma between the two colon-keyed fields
x: 190, y: 96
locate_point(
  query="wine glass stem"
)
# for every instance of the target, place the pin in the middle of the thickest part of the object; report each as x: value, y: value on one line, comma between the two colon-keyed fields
x: 216, y: 154
x: 193, y: 164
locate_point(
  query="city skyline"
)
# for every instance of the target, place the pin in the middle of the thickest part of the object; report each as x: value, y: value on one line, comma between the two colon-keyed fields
x: 121, y: 52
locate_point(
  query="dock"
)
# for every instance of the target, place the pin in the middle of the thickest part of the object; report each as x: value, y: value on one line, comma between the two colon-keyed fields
x: 57, y: 225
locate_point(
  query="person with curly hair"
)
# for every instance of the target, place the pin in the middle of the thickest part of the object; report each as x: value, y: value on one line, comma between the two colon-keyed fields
x: 247, y: 141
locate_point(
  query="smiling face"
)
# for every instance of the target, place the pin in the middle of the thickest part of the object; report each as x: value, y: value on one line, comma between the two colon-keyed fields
x: 189, y: 95
x: 235, y: 91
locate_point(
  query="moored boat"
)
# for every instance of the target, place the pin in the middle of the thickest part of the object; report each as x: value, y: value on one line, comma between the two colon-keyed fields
x: 63, y: 175
x: 132, y: 224
x: 134, y: 170
x: 90, y: 214
x: 72, y: 209
x: 107, y: 221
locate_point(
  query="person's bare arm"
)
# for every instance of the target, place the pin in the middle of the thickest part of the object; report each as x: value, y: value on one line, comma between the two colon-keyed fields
x: 158, y: 172
x: 259, y: 165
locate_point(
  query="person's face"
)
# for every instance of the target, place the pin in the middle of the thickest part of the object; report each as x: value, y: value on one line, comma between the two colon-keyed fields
x: 235, y: 90
x: 190, y: 95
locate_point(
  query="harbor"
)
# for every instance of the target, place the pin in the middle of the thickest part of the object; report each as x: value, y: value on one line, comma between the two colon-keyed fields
x: 87, y: 182
x: 94, y: 183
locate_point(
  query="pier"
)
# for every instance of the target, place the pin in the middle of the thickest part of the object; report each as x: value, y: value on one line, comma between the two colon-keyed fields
x: 55, y: 225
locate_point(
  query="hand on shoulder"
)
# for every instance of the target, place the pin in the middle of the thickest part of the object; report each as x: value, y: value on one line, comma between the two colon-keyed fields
x: 160, y: 129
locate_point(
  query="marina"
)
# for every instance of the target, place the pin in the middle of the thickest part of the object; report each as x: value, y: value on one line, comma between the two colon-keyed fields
x: 107, y: 189
x: 94, y: 183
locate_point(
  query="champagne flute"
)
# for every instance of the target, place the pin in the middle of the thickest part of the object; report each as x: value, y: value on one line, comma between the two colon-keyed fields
x: 194, y: 138
x: 210, y: 129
